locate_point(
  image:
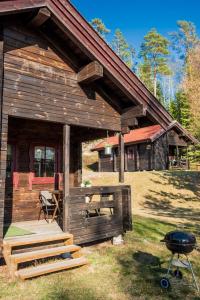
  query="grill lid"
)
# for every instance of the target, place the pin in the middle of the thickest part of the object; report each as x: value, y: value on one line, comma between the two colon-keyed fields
x: 180, y: 241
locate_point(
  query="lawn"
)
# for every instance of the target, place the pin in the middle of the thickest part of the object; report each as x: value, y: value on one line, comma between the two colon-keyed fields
x: 124, y: 272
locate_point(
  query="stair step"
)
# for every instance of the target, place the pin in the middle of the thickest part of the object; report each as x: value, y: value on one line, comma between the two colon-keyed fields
x: 43, y: 253
x: 52, y: 267
x: 36, y: 238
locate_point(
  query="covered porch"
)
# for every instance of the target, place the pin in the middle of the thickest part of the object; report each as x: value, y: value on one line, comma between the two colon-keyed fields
x: 48, y: 156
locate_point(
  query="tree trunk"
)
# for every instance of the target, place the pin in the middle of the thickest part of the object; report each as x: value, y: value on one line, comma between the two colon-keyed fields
x: 155, y: 84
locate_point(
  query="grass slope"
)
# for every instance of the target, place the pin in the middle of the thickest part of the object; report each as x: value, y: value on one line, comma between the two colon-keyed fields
x: 171, y: 196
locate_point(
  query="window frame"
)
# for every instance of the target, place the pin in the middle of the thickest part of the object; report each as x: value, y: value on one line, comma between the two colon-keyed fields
x: 44, y: 179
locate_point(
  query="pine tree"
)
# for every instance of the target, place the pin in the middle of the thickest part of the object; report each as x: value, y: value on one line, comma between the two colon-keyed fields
x: 100, y: 27
x: 180, y: 109
x: 154, y: 52
x: 145, y: 74
x: 125, y: 51
x: 185, y: 39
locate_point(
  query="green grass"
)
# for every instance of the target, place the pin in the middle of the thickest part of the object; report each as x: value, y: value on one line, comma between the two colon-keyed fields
x: 124, y: 272
x: 12, y: 231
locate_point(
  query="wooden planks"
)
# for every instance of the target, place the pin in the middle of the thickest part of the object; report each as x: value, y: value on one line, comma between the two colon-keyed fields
x: 50, y: 268
x: 40, y: 85
x: 66, y: 171
x: 121, y: 158
x: 88, y: 229
x: 3, y: 138
x: 90, y: 73
x: 36, y: 239
x: 43, y: 253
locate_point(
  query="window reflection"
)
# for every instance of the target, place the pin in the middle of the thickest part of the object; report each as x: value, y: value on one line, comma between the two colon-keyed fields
x: 44, y: 161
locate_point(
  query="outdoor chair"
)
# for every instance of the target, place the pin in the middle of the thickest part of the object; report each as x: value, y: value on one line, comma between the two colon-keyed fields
x: 48, y: 205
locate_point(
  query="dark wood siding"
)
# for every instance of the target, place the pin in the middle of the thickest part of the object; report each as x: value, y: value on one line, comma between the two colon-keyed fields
x: 132, y: 158
x: 39, y: 84
x: 145, y: 156
x: 175, y: 140
x: 87, y: 229
x: 161, y: 155
x: 106, y: 162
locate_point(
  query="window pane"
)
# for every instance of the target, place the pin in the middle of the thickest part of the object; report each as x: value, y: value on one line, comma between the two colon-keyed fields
x: 44, y: 161
x: 39, y: 153
x: 50, y: 153
x: 49, y: 166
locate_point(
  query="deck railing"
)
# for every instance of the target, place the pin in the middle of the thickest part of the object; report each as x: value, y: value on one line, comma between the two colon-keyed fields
x: 99, y: 212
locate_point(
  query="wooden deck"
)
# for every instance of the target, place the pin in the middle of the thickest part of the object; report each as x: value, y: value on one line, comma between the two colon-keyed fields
x: 38, y: 227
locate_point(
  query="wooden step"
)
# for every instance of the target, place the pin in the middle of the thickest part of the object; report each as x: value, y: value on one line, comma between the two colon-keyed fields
x: 38, y: 254
x: 36, y: 239
x: 50, y: 268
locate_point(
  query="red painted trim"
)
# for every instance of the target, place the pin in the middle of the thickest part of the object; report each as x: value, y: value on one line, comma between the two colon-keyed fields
x: 15, y: 180
x: 43, y: 180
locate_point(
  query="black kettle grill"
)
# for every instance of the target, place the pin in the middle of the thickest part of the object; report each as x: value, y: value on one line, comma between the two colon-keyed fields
x: 179, y: 243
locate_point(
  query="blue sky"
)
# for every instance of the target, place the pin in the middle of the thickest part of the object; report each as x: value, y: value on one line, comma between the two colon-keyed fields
x: 135, y: 18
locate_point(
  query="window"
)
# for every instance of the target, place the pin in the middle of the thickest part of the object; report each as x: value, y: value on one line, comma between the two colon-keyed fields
x: 130, y: 153
x: 9, y: 166
x: 44, y: 161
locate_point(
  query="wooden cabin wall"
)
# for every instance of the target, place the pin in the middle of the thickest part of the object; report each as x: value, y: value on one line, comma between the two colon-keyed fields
x: 39, y: 84
x: 21, y: 201
x: 160, y: 154
x: 106, y: 162
x: 132, y: 158
x: 175, y: 140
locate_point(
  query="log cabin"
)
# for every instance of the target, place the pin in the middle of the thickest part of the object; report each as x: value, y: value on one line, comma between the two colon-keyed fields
x: 61, y: 85
x: 148, y: 148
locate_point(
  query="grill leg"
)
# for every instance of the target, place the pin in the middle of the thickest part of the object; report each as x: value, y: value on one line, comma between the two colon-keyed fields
x: 170, y: 264
x: 193, y: 276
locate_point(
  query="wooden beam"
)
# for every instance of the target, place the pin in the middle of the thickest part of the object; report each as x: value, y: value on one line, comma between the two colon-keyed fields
x: 66, y: 160
x: 3, y: 139
x: 125, y: 125
x: 121, y: 158
x: 90, y: 73
x: 42, y: 16
x: 129, y: 116
x: 134, y: 112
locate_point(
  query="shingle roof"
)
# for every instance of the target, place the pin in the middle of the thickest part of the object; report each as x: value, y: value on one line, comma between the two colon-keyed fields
x: 135, y: 136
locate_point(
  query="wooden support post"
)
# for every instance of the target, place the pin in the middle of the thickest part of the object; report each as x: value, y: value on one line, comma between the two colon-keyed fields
x: 79, y: 163
x: 121, y: 158
x: 125, y: 159
x: 115, y: 159
x: 99, y: 162
x: 66, y: 160
x: 3, y: 140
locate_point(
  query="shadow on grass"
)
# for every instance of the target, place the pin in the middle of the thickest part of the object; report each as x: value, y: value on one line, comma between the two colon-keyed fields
x: 93, y: 167
x: 145, y: 271
x: 161, y: 202
x: 189, y: 180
